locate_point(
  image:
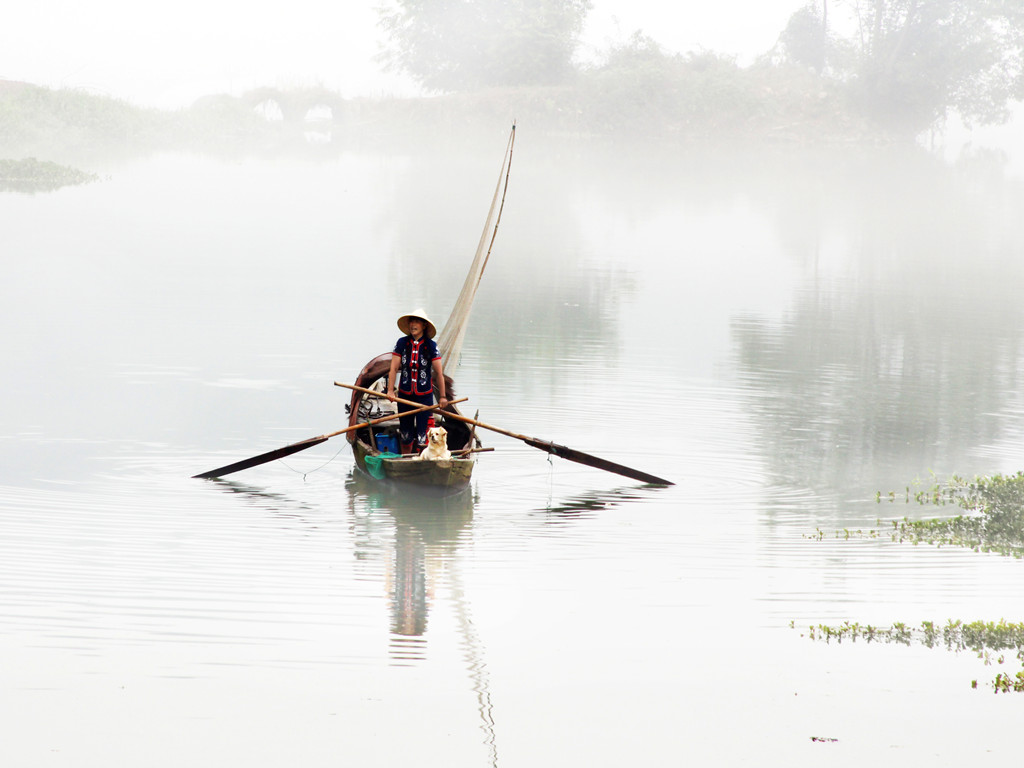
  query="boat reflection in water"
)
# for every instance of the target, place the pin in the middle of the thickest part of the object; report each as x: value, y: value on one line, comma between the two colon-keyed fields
x: 425, y: 534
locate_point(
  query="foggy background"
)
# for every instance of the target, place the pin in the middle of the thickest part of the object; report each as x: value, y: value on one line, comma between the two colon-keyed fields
x: 785, y: 313
x: 166, y: 56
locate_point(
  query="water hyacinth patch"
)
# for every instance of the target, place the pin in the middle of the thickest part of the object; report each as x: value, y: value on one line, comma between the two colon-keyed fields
x: 989, y: 640
x: 993, y: 519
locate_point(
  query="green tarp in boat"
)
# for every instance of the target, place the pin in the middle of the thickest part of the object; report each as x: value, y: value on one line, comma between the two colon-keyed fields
x: 374, y: 464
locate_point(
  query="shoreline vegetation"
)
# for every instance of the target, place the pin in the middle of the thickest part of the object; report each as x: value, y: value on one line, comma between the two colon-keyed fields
x: 714, y: 101
x: 992, y: 522
x: 892, y: 78
x: 718, y: 106
x: 717, y: 102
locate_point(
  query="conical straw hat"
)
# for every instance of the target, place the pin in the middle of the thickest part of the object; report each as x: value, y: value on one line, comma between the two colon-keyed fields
x: 403, y: 322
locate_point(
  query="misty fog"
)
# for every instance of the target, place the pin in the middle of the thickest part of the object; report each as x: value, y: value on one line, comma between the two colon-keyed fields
x: 721, y: 259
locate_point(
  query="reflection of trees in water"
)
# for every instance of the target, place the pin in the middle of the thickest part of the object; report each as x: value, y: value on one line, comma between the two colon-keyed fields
x: 906, y: 356
x: 845, y: 394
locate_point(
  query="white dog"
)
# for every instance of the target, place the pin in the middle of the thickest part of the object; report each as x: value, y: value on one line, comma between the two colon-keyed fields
x: 437, y: 444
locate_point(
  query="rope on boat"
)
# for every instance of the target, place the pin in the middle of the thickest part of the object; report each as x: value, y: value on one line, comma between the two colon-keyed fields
x: 316, y: 469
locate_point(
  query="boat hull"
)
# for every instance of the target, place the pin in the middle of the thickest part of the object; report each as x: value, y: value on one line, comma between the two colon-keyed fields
x: 444, y: 474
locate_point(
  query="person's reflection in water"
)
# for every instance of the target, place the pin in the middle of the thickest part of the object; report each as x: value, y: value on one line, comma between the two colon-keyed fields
x: 425, y: 538
x: 416, y: 538
x: 408, y: 588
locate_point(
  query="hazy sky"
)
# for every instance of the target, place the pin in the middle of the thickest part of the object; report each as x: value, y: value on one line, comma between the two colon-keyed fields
x: 167, y: 55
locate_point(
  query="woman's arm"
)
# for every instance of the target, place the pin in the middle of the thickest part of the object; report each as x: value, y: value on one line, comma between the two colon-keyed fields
x: 392, y: 374
x: 442, y: 395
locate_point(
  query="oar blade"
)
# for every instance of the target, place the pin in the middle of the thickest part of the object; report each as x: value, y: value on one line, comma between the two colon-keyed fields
x: 571, y: 454
x: 263, y: 458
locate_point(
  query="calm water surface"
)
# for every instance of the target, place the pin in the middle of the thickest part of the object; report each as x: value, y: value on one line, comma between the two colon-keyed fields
x: 782, y: 336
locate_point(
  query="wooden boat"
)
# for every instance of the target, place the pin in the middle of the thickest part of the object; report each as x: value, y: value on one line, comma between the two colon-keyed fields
x: 374, y: 447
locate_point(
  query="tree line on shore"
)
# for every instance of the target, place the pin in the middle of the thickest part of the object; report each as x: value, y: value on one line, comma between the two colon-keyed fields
x: 905, y: 67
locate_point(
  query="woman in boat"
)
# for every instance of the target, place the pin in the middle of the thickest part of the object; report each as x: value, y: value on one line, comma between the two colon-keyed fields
x: 415, y: 366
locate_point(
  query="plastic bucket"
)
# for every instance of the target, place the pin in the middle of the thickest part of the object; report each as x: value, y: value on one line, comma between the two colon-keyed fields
x: 387, y: 443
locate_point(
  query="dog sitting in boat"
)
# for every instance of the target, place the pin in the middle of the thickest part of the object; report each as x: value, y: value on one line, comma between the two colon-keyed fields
x: 437, y: 445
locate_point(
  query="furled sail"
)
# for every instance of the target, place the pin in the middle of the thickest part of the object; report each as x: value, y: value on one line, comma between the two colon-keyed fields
x: 454, y: 331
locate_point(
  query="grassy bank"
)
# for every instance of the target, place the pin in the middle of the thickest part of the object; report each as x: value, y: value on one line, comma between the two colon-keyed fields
x: 706, y: 99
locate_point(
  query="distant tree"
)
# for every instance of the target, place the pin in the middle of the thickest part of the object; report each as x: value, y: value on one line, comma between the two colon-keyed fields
x: 637, y: 84
x: 912, y: 60
x: 642, y: 89
x: 805, y: 38
x: 459, y: 45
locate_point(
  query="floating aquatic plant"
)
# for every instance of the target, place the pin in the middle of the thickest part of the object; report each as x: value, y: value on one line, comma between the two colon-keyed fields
x: 993, y: 519
x: 1005, y: 684
x: 988, y: 639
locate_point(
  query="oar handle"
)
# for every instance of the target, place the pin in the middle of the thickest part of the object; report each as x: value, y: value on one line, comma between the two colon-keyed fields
x: 448, y: 414
x: 467, y: 451
x: 391, y: 417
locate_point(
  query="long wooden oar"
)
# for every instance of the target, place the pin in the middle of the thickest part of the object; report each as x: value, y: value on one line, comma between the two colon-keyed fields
x: 302, y: 445
x: 545, y: 445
